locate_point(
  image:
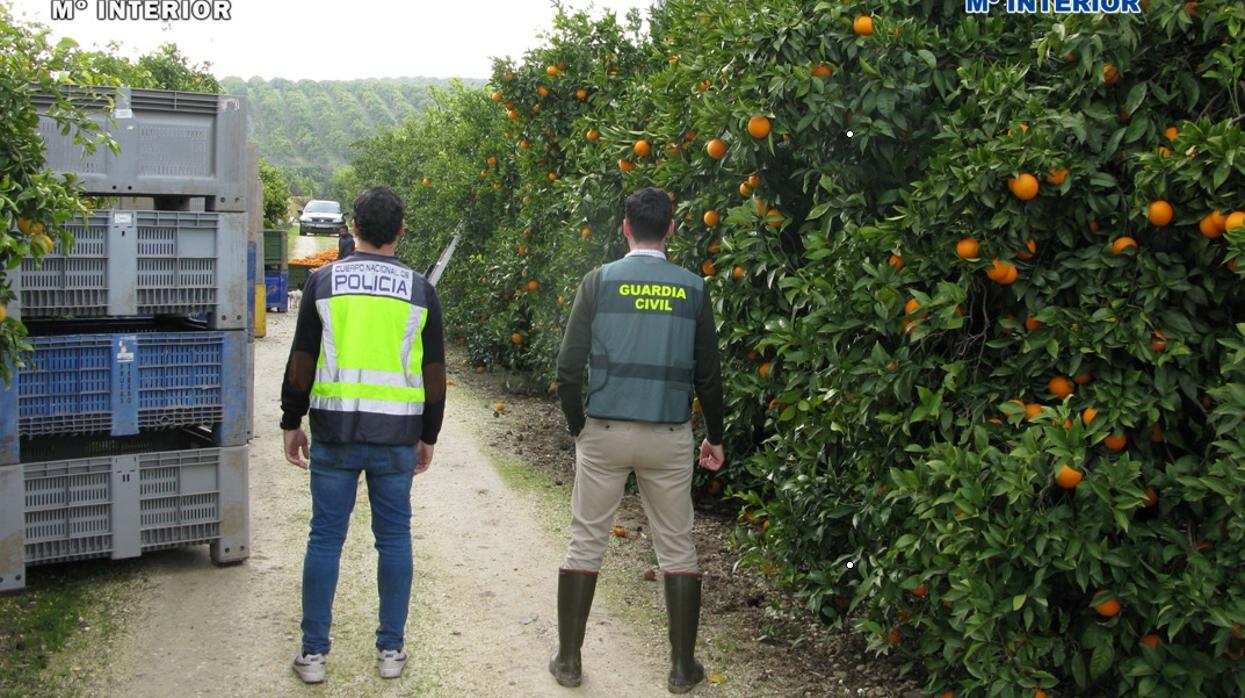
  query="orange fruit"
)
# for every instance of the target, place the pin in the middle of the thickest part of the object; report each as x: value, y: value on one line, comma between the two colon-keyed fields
x: 1068, y: 478
x: 1056, y: 177
x: 516, y: 338
x: 707, y: 268
x: 1032, y: 410
x: 553, y: 176
x: 585, y: 233
x: 1039, y: 693
x: 921, y: 591
x: 1210, y: 226
x: 1024, y: 187
x: 4, y: 312
x: 1029, y: 252
x: 738, y: 272
x: 1083, y: 378
x: 703, y: 86
x: 1150, y: 640
x: 764, y: 370
x: 581, y: 94
x: 592, y: 135
x: 561, y: 300
x: 1032, y: 323
x: 715, y: 246
x: 626, y: 165
x: 967, y: 248
x: 896, y: 261
x: 758, y: 126
x: 911, y: 306
x: 1087, y: 417
x: 1159, y: 343
x: 1060, y: 387
x: 1234, y: 220
x: 1171, y: 133
x: 542, y: 91
x: 44, y: 242
x: 1160, y: 213
x: 1109, y: 608
x: 711, y: 218
x: 1002, y: 272
x: 744, y: 189
x: 863, y: 25
x: 512, y: 114
x: 1156, y: 434
x: 753, y: 181
x: 641, y: 148
x: 821, y: 70
x: 533, y: 285
x: 775, y: 217
x: 480, y: 369
x: 1116, y: 441
x: 1094, y: 227
x: 1152, y: 497
x: 716, y: 148
x: 894, y: 636
x: 524, y: 144
x: 1121, y: 244
x: 427, y: 181
x: 1110, y: 74
x: 1164, y: 151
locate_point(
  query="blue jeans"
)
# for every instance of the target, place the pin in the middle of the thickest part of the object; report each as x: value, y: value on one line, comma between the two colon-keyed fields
x: 334, y: 481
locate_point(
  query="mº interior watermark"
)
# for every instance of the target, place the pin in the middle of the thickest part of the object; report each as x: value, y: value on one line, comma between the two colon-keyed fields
x: 144, y: 10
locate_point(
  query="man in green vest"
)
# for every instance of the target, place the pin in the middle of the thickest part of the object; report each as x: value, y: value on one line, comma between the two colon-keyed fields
x: 368, y: 361
x: 645, y: 329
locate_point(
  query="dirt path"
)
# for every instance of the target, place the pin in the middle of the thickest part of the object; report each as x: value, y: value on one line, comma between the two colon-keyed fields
x: 483, y: 610
x: 306, y: 245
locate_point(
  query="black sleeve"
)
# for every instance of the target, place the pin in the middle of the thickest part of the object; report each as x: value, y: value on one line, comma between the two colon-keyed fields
x: 433, y: 369
x: 573, y: 356
x: 709, y: 373
x: 300, y: 369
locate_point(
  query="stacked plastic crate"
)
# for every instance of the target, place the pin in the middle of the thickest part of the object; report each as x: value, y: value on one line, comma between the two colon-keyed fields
x: 276, y: 273
x: 125, y: 430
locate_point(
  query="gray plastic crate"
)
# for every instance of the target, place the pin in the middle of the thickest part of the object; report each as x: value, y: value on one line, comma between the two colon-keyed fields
x: 172, y: 144
x: 129, y: 263
x: 121, y: 506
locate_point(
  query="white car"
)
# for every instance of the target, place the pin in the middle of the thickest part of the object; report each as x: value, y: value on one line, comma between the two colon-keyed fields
x: 321, y: 217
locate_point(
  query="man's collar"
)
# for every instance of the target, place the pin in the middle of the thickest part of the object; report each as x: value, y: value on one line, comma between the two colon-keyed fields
x: 647, y: 253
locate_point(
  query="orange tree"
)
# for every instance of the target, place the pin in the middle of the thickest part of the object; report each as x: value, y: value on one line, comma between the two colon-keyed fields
x: 979, y: 314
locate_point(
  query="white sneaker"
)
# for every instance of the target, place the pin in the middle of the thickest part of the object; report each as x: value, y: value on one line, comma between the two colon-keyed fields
x: 390, y: 663
x: 309, y: 667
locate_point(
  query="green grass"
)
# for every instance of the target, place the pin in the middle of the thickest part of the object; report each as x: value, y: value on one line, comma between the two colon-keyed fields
x: 59, y: 602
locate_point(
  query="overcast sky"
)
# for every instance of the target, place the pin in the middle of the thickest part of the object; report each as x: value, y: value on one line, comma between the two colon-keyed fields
x: 334, y: 39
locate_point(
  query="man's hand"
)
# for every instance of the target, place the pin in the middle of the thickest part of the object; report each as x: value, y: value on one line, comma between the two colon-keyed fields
x: 423, y: 457
x: 712, y: 457
x: 296, y: 448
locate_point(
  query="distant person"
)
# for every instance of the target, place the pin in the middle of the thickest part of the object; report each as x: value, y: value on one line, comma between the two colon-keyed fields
x: 368, y: 360
x: 645, y: 329
x: 345, y: 243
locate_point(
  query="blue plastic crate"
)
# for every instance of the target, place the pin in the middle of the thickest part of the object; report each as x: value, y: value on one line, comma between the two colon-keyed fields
x: 123, y: 383
x: 276, y: 289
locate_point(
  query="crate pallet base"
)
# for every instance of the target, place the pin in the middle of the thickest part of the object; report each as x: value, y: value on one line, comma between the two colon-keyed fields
x: 121, y: 506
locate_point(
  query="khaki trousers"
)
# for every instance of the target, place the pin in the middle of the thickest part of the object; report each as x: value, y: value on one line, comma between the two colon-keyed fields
x: 661, y: 457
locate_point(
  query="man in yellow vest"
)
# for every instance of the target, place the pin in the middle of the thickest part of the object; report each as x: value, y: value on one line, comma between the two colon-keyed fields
x: 368, y: 361
x: 645, y: 329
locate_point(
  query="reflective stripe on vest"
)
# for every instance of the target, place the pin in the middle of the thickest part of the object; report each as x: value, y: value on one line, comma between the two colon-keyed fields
x: 642, y: 363
x: 371, y: 349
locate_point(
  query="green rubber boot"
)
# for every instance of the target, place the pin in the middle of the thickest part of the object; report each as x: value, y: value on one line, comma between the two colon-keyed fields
x: 683, y: 611
x: 575, y: 591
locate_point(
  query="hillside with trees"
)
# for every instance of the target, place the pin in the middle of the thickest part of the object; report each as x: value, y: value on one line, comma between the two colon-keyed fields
x: 306, y: 127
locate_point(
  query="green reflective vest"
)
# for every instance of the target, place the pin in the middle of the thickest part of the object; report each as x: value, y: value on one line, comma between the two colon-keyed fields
x: 369, y: 384
x: 642, y: 365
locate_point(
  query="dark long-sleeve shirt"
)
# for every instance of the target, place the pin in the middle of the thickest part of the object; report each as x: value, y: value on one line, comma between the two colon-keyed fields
x: 577, y: 345
x: 305, y: 350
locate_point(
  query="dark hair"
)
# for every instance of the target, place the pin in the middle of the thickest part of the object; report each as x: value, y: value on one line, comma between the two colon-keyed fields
x: 378, y: 213
x: 648, y: 212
